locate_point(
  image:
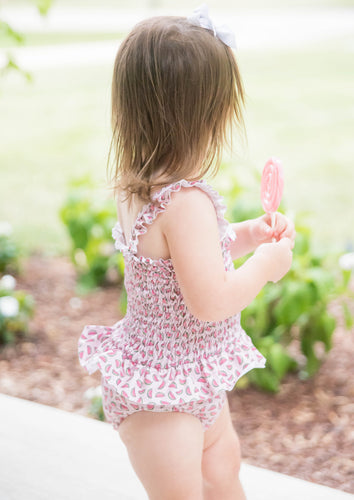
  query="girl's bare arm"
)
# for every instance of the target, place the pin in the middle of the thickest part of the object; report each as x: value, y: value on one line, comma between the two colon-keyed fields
x: 211, y: 293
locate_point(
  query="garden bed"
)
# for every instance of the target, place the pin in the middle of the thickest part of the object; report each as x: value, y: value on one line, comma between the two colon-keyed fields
x: 305, y: 430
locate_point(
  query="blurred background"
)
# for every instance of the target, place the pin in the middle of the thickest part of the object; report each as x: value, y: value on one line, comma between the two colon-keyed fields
x: 59, y: 269
x: 296, y: 58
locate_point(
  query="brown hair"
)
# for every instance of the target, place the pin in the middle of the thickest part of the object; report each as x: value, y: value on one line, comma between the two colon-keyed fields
x: 176, y: 96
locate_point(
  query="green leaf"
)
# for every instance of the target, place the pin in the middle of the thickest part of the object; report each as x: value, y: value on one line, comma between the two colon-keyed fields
x: 7, y: 31
x: 86, y: 283
x: 348, y: 317
x: 12, y: 65
x: 302, y: 244
x: 43, y: 6
x: 255, y: 318
x: 7, y: 337
x: 346, y: 274
x: 312, y: 363
x: 265, y: 379
x: 123, y: 301
x: 120, y: 264
x: 280, y: 361
x: 297, y: 299
x: 321, y: 279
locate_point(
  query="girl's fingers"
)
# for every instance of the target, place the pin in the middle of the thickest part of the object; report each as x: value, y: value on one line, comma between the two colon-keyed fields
x: 288, y: 233
x: 281, y: 223
x: 261, y: 229
x: 265, y: 229
x: 283, y: 228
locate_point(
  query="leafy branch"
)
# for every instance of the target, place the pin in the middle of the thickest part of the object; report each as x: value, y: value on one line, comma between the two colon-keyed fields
x: 9, y: 33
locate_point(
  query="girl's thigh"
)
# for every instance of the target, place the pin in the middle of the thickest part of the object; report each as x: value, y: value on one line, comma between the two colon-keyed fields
x: 221, y: 448
x: 165, y: 450
x: 223, y: 424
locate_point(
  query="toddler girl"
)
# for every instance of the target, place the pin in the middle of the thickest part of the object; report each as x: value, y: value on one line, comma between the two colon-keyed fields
x: 166, y: 366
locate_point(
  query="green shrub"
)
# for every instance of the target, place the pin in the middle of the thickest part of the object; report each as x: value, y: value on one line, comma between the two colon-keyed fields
x: 89, y: 221
x: 9, y: 253
x: 289, y: 322
x: 16, y: 308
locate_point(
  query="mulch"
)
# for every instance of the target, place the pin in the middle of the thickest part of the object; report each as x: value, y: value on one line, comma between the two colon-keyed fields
x: 305, y: 430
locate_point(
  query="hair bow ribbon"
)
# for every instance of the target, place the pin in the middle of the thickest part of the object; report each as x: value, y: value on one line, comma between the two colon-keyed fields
x: 200, y: 17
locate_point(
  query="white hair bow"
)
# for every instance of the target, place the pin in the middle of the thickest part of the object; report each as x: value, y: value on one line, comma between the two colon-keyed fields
x: 200, y: 17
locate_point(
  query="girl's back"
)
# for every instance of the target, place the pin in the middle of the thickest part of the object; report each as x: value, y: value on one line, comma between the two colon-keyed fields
x: 152, y: 244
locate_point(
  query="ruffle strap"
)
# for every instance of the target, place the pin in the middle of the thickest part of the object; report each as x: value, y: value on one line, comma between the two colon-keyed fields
x: 161, y: 199
x: 118, y: 236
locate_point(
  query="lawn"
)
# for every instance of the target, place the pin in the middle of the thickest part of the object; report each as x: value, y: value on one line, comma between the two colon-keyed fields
x: 300, y: 106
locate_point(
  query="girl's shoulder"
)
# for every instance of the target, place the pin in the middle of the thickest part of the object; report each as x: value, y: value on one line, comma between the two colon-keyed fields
x: 179, y: 207
x: 195, y: 205
x: 178, y: 195
x: 185, y: 201
x: 185, y: 197
x: 198, y: 191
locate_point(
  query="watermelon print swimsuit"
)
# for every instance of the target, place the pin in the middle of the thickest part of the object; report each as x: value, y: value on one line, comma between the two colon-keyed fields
x: 160, y: 357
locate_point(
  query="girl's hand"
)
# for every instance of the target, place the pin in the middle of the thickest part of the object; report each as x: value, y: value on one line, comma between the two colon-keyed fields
x: 277, y: 258
x: 261, y: 230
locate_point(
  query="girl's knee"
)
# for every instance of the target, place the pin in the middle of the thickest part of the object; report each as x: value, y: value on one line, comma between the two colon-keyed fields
x: 222, y: 460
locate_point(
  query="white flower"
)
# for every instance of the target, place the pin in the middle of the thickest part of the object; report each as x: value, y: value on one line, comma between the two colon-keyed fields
x: 346, y: 261
x: 5, y: 228
x: 7, y: 282
x: 93, y: 392
x: 9, y: 307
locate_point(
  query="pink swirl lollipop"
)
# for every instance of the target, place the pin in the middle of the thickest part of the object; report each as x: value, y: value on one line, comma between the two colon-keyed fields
x: 272, y: 186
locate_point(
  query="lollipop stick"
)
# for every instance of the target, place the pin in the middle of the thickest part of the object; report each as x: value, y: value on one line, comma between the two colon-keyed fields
x: 272, y: 222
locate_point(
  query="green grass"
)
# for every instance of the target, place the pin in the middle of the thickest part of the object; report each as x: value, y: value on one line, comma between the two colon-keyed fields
x: 53, y: 129
x: 300, y: 107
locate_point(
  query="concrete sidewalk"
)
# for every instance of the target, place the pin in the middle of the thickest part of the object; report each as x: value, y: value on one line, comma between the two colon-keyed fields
x: 50, y: 454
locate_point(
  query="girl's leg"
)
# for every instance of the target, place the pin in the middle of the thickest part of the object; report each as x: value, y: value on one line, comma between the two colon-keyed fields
x: 221, y: 460
x: 165, y: 450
